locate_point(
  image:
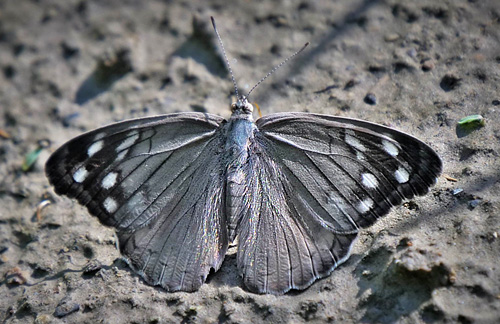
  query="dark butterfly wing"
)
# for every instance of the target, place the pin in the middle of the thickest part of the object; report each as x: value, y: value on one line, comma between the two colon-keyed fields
x: 314, y: 181
x: 352, y: 171
x: 160, y: 182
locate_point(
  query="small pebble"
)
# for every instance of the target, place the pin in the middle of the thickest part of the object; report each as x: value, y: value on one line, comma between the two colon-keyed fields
x: 68, y: 120
x: 391, y: 37
x: 351, y: 83
x: 495, y: 102
x: 474, y: 203
x: 427, y: 65
x: 65, y: 308
x: 412, y: 52
x: 452, y: 276
x: 15, y: 277
x: 457, y: 191
x: 370, y: 99
x: 43, y: 319
x: 92, y: 267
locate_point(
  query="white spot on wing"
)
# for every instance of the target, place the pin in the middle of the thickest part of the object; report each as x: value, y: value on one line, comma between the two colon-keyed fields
x: 354, y: 142
x: 110, y: 205
x: 109, y: 180
x: 80, y: 175
x: 99, y: 136
x: 401, y: 175
x: 390, y: 148
x: 132, y: 137
x: 369, y: 180
x: 360, y: 156
x: 121, y: 155
x: 94, y: 148
x: 364, y: 205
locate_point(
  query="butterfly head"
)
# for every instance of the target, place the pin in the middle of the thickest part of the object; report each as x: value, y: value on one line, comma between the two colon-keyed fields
x: 242, y: 107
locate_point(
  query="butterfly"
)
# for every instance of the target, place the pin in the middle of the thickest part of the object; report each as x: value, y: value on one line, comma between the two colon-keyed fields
x: 294, y: 189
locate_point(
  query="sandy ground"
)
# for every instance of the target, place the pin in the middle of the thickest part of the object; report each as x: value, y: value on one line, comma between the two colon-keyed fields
x: 71, y: 66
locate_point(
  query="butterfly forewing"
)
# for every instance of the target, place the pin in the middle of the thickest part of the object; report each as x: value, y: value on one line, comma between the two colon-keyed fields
x: 351, y: 171
x: 143, y: 178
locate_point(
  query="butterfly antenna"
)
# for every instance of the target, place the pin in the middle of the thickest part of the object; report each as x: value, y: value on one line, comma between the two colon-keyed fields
x: 274, y: 69
x: 225, y: 57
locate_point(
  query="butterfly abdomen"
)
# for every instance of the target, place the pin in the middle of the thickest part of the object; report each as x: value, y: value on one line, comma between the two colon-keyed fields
x: 239, y: 134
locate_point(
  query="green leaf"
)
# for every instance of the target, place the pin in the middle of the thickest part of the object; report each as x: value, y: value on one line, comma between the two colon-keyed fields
x: 472, y: 121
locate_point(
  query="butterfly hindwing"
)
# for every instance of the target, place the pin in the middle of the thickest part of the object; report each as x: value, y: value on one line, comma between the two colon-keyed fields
x: 280, y: 246
x: 143, y: 178
x: 178, y: 249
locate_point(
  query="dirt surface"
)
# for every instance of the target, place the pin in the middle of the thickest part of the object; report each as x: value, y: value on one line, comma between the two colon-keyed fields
x: 71, y: 66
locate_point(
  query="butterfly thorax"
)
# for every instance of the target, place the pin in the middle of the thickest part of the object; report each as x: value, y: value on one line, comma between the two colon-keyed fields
x: 240, y: 132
